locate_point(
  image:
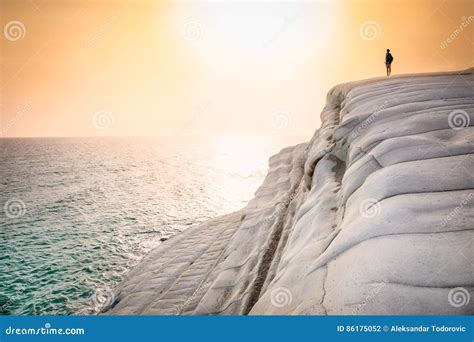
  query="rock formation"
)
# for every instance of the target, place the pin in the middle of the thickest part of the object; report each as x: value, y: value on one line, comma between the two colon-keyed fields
x: 375, y: 215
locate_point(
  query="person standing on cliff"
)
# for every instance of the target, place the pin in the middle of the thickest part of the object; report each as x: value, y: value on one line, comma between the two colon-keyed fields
x: 388, y: 62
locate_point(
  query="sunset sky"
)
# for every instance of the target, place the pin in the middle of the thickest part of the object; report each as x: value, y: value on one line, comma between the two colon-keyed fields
x: 120, y: 68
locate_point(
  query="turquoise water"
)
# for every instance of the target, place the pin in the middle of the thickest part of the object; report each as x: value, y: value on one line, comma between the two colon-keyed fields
x: 77, y: 213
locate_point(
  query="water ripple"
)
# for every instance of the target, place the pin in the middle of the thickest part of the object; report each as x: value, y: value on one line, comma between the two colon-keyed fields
x: 95, y: 207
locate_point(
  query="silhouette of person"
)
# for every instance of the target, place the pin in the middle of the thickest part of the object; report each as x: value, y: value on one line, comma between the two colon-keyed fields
x: 388, y: 62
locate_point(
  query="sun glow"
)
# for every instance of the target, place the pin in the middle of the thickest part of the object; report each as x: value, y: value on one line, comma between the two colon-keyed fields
x: 241, y: 155
x: 154, y: 64
x: 255, y: 37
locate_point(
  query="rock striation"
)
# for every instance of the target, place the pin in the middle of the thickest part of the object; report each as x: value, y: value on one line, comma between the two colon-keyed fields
x: 374, y: 215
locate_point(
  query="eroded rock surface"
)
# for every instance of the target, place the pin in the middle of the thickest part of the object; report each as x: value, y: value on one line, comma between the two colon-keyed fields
x: 375, y: 215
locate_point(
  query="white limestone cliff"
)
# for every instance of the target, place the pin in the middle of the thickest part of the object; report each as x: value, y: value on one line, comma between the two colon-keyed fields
x: 375, y: 215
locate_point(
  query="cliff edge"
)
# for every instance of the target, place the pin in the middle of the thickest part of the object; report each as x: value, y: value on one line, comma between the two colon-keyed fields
x: 375, y: 215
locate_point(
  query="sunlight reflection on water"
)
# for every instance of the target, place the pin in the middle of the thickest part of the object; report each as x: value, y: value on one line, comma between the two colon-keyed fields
x: 95, y: 206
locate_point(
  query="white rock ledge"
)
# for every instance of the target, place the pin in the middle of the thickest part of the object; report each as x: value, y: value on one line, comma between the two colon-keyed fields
x: 375, y: 215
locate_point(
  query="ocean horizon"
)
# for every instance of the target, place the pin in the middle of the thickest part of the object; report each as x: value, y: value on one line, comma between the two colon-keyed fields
x: 79, y: 213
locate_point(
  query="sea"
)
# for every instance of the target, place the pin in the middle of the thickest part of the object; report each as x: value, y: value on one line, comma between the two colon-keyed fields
x: 76, y: 214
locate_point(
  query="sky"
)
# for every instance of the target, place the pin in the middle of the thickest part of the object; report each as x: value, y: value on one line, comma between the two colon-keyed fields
x: 146, y: 68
